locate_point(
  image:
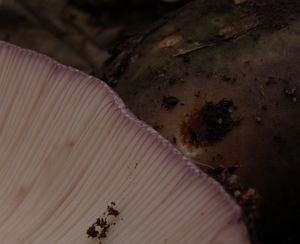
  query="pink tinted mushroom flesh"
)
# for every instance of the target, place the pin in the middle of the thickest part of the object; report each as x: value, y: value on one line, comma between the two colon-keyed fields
x: 69, y: 147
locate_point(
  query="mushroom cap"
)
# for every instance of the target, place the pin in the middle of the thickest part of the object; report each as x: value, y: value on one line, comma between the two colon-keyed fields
x: 69, y: 147
x: 231, y: 75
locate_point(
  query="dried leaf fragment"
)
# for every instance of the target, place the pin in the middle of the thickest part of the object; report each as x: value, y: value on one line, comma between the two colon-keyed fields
x: 240, y: 27
x: 193, y: 47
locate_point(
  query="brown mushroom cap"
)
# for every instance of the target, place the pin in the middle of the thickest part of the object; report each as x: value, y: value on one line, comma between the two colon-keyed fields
x: 234, y: 73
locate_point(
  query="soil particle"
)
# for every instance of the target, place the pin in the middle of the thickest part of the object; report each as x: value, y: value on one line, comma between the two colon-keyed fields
x: 262, y: 91
x: 157, y: 127
x: 186, y: 59
x: 197, y: 94
x: 169, y: 102
x: 258, y: 119
x: 228, y: 79
x: 209, y: 75
x: 104, y: 231
x: 271, y: 81
x: 291, y: 91
x: 264, y: 107
x: 101, y: 222
x: 216, y: 171
x: 92, y: 232
x: 210, y: 124
x: 174, y: 140
x: 172, y: 82
x: 112, y: 211
x: 278, y: 139
x: 100, y: 227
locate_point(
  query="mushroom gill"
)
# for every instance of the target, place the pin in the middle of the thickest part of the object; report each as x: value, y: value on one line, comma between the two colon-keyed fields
x: 69, y: 147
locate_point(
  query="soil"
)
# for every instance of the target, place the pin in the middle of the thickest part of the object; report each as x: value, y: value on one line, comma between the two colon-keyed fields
x: 99, y: 229
x: 169, y: 102
x: 211, y: 123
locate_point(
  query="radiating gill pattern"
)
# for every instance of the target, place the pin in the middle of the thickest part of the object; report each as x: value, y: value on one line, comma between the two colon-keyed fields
x: 68, y: 147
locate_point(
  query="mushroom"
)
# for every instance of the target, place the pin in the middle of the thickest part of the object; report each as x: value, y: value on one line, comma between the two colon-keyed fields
x: 69, y: 147
x: 233, y: 70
